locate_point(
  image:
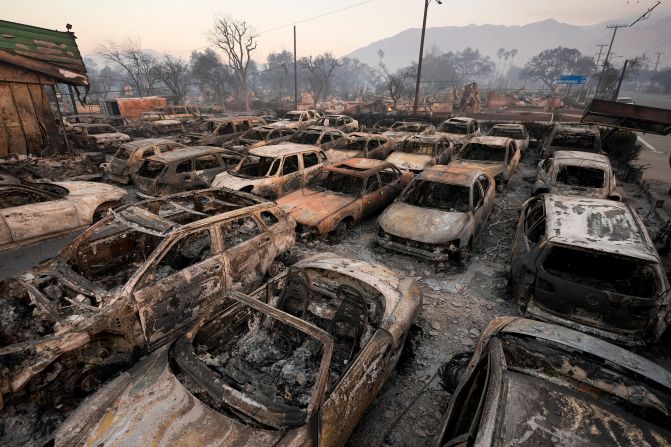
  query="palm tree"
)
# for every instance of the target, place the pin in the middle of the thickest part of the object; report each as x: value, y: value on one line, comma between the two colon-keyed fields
x: 513, y: 53
x: 499, y: 53
x: 506, y: 55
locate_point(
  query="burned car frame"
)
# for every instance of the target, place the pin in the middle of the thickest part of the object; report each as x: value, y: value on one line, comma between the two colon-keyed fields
x: 361, y: 145
x: 218, y: 131
x: 127, y: 159
x: 417, y: 152
x: 300, y: 370
x: 571, y: 138
x: 96, y: 136
x: 260, y: 136
x: 589, y: 264
x: 459, y: 129
x: 498, y: 157
x: 515, y: 131
x: 324, y: 137
x: 530, y: 383
x: 126, y: 286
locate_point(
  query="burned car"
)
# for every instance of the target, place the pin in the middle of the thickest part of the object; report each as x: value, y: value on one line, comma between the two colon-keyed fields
x: 96, y: 136
x: 217, y: 131
x: 273, y: 171
x: 361, y: 145
x: 530, y: 383
x: 496, y: 156
x: 515, y: 131
x: 295, y: 363
x: 342, y: 195
x: 324, y: 137
x: 126, y: 286
x: 571, y: 138
x: 459, y: 129
x: 578, y: 174
x: 30, y: 212
x: 341, y: 122
x: 440, y: 214
x: 127, y: 159
x: 259, y: 137
x: 297, y: 119
x: 153, y: 124
x: 417, y: 152
x: 589, y: 264
x: 182, y: 170
x: 402, y: 129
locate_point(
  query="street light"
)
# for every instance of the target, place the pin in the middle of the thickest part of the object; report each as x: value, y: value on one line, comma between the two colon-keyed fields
x: 421, y: 53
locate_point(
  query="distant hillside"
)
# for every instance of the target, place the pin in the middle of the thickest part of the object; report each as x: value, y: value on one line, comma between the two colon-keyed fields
x: 647, y: 36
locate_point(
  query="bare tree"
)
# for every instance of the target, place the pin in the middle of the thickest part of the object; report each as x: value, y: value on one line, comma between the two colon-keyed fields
x: 319, y: 72
x: 176, y: 76
x: 138, y: 65
x: 397, y: 83
x: 211, y: 74
x: 237, y: 40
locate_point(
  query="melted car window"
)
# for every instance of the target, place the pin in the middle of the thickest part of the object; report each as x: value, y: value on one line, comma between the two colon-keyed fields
x: 351, y: 144
x: 305, y: 138
x: 482, y: 152
x: 151, y: 169
x: 189, y: 250
x: 456, y: 128
x: 239, y: 230
x: 254, y: 166
x: 337, y: 182
x: 440, y: 196
x: 574, y: 140
x: 517, y: 134
x: 581, y: 176
x: 418, y: 148
x: 20, y: 197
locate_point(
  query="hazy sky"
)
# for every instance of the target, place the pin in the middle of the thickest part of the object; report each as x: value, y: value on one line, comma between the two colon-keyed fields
x: 177, y: 26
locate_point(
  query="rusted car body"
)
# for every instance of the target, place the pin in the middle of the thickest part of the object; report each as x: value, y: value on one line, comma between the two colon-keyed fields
x: 343, y: 194
x: 459, y: 129
x: 30, y: 212
x: 589, y: 264
x: 182, y: 113
x: 515, y: 131
x: 403, y: 129
x: 182, y: 170
x: 154, y: 124
x: 324, y: 137
x: 259, y: 137
x: 126, y: 286
x: 217, y: 131
x: 495, y: 156
x: 571, y: 138
x: 530, y: 383
x: 273, y: 171
x: 361, y: 145
x: 127, y: 159
x: 297, y: 119
x: 417, y: 152
x: 298, y: 371
x: 96, y: 136
x: 440, y: 214
x: 341, y: 122
x: 576, y: 173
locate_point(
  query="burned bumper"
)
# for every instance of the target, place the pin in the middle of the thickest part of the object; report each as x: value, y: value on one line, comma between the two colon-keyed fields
x: 430, y: 252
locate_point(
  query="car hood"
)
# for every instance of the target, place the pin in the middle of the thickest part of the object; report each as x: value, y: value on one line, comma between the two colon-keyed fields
x: 426, y: 225
x: 309, y: 207
x: 396, y: 135
x: 166, y: 122
x: 78, y: 188
x: 230, y: 181
x: 598, y: 193
x: 116, y: 136
x: 492, y: 169
x: 408, y: 161
x: 149, y: 406
x: 454, y: 137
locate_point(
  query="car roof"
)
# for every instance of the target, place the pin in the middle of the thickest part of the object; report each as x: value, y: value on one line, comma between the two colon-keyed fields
x: 91, y: 125
x: 137, y: 144
x: 490, y: 140
x: 567, y: 156
x: 510, y: 125
x: 365, y: 135
x: 459, y: 119
x: 454, y: 175
x: 598, y: 224
x: 565, y: 128
x: 433, y: 138
x: 280, y: 150
x: 186, y: 152
x: 360, y: 167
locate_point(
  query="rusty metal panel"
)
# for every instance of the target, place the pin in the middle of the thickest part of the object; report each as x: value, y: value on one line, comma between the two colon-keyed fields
x: 133, y: 107
x: 628, y: 116
x: 16, y: 141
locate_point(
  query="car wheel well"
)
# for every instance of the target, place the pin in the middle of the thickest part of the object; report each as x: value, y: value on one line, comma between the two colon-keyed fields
x: 102, y: 209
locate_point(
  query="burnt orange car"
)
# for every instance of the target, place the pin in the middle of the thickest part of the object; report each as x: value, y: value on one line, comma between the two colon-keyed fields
x: 344, y: 194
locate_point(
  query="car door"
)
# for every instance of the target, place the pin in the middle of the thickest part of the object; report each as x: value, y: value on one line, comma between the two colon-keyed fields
x: 248, y: 251
x: 31, y: 214
x: 174, y: 290
x: 489, y: 192
x: 184, y: 176
x: 206, y: 167
x: 529, y: 232
x: 478, y: 207
x: 291, y: 175
x: 312, y: 163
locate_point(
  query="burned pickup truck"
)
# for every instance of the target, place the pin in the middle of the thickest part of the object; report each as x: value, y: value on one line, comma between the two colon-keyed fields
x: 300, y: 370
x: 589, y: 264
x: 126, y: 286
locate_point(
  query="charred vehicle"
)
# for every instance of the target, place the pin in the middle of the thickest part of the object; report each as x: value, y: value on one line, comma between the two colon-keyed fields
x: 459, y: 129
x: 183, y: 113
x: 127, y: 159
x: 129, y: 284
x: 324, y: 137
x: 361, y: 145
x: 340, y: 122
x: 344, y: 194
x: 273, y: 171
x: 297, y: 119
x: 571, y: 138
x: 589, y: 264
x: 530, y: 383
x: 417, y: 152
x: 30, y: 212
x: 96, y: 136
x: 578, y: 174
x: 182, y: 170
x: 259, y: 137
x: 440, y: 214
x: 217, y: 131
x: 402, y: 129
x: 495, y: 156
x: 515, y: 131
x: 153, y: 124
x: 298, y: 371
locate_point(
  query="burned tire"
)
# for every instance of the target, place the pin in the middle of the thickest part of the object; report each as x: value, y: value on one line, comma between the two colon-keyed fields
x: 466, y: 253
x: 339, y: 232
x: 103, y: 209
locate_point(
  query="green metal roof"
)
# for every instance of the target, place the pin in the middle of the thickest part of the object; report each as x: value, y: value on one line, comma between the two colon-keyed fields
x: 48, y: 51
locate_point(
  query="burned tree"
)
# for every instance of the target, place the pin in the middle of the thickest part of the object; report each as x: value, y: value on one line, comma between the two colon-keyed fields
x: 549, y: 65
x: 175, y: 75
x: 211, y: 74
x: 319, y: 72
x: 397, y: 83
x: 138, y: 65
x: 237, y: 40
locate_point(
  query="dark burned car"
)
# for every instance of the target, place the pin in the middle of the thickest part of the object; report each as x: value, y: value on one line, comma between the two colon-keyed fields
x: 324, y: 137
x: 589, y: 264
x: 182, y: 170
x: 531, y: 383
x: 402, y: 129
x: 260, y: 136
x: 361, y: 145
x: 96, y: 136
x: 217, y: 131
x: 571, y: 138
x: 298, y: 371
x: 129, y: 284
x: 417, y: 152
x: 127, y: 159
x: 498, y: 157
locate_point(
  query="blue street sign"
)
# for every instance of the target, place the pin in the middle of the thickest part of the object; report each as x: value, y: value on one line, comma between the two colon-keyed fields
x: 572, y: 79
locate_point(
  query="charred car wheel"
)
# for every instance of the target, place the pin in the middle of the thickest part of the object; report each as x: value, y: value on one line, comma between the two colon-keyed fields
x: 339, y: 231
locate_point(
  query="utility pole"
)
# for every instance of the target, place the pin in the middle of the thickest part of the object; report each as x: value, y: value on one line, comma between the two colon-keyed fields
x: 421, y: 53
x: 657, y: 63
x: 616, y: 93
x: 295, y: 74
x: 598, y: 56
x: 606, y: 59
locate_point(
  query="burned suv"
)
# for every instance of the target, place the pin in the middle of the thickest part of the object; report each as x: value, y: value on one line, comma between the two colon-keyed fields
x: 589, y: 264
x: 124, y: 287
